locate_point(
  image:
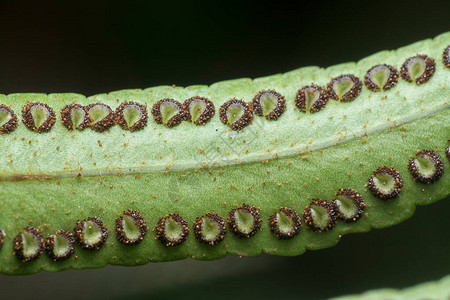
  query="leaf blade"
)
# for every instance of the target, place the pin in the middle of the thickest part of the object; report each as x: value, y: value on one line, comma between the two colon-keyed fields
x: 195, y: 177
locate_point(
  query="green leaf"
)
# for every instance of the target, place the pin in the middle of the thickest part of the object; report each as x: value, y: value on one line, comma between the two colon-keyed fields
x: 51, y: 180
x: 430, y: 290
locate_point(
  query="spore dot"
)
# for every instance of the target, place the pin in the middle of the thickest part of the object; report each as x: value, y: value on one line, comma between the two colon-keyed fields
x: 8, y: 119
x: 381, y: 77
x: 168, y: 112
x: 285, y: 224
x: 172, y: 230
x: 418, y: 69
x: 244, y: 221
x: 269, y: 104
x: 131, y: 116
x: 29, y: 244
x: 91, y: 234
x: 60, y: 246
x: 210, y: 229
x: 131, y: 228
x: 385, y: 183
x: 311, y: 98
x: 198, y: 110
x: 320, y: 215
x: 427, y: 167
x: 446, y: 57
x: 74, y: 116
x: 38, y: 117
x: 344, y: 87
x: 101, y: 116
x: 236, y: 113
x: 349, y: 205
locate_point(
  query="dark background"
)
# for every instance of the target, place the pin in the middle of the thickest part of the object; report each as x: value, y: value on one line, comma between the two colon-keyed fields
x: 100, y: 46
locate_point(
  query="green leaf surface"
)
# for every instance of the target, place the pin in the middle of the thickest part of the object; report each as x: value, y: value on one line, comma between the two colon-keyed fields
x: 435, y: 290
x: 51, y: 180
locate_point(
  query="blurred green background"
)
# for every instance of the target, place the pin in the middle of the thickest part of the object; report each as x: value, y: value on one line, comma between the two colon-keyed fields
x: 99, y: 46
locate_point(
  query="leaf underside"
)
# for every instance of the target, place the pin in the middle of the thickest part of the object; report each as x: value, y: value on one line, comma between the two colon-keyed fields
x: 51, y: 180
x: 430, y: 290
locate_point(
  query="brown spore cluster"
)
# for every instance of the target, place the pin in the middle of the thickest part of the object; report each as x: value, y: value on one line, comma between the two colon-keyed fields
x: 293, y: 216
x: 217, y: 221
x: 28, y: 118
x: 10, y: 125
x: 394, y: 175
x: 233, y: 223
x: 430, y: 68
x: 435, y: 159
x: 310, y: 219
x: 138, y: 220
x: 243, y: 121
x: 80, y: 233
x: 163, y: 236
x: 276, y: 112
x: 50, y: 245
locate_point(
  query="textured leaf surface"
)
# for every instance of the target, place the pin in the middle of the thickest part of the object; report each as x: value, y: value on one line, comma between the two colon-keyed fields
x: 430, y: 290
x: 53, y: 179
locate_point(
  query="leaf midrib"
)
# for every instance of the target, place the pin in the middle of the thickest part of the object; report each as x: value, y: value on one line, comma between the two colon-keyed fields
x: 186, y: 167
